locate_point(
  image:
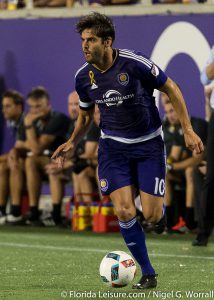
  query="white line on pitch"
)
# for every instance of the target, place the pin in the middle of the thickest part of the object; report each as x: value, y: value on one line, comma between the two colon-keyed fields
x: 71, y: 249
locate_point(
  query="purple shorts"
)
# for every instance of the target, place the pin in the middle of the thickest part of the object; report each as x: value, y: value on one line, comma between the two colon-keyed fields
x: 141, y: 164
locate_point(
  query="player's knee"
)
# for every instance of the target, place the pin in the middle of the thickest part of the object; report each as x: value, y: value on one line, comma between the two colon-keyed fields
x: 3, y: 168
x: 125, y: 213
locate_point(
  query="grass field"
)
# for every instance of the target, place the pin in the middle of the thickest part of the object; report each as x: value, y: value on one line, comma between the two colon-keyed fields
x: 49, y: 264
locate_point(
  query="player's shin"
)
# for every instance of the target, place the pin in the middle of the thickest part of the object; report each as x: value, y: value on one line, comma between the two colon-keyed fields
x: 134, y: 237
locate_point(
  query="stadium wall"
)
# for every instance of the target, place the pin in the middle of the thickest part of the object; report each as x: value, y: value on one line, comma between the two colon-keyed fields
x: 48, y: 51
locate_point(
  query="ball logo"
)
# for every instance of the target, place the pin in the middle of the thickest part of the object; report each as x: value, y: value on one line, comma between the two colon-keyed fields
x: 128, y: 263
x: 123, y: 78
x: 103, y: 185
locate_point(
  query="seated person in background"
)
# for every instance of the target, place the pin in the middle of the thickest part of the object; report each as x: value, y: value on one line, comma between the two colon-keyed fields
x: 44, y: 130
x: 80, y: 169
x: 180, y: 163
x: 11, y: 179
x: 84, y: 170
x: 170, y: 123
x: 59, y: 177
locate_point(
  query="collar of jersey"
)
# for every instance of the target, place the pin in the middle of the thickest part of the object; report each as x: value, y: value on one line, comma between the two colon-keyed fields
x: 113, y: 63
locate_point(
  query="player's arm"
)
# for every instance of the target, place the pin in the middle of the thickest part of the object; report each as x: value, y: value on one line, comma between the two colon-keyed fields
x: 210, y: 71
x: 207, y: 74
x: 84, y: 120
x: 207, y: 94
x: 189, y: 162
x: 192, y: 140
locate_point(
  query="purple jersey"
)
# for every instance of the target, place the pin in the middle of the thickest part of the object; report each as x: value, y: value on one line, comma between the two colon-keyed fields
x: 124, y: 94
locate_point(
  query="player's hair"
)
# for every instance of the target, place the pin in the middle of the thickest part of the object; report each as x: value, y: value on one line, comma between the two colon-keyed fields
x: 101, y: 24
x: 38, y: 92
x: 17, y: 97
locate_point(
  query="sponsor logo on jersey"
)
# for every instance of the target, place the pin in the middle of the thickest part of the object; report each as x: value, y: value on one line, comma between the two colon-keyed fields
x: 103, y: 185
x: 113, y: 97
x: 123, y: 78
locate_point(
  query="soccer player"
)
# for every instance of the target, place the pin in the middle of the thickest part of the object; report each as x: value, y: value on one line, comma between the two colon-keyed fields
x: 131, y: 150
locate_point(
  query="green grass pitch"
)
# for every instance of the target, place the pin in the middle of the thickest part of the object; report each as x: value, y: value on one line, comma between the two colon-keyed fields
x: 51, y: 264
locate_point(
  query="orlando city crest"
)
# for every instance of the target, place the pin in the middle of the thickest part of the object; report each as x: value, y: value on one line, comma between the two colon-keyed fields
x: 123, y: 78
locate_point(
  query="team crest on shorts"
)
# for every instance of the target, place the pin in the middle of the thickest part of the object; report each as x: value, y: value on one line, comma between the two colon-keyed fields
x: 103, y: 185
x: 123, y: 78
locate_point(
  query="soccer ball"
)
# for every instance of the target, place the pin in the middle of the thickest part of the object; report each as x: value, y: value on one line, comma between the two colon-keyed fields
x: 117, y: 269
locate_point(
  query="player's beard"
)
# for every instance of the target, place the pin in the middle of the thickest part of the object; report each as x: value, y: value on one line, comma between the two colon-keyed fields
x: 93, y: 57
x: 90, y: 58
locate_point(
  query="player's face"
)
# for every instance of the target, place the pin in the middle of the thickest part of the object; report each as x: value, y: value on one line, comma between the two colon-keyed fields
x: 10, y: 109
x: 73, y: 106
x: 93, y: 46
x: 171, y: 114
x: 38, y: 106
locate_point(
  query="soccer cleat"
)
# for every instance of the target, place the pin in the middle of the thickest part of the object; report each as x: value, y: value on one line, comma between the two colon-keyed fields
x: 180, y: 225
x: 16, y: 220
x: 48, y: 222
x: 161, y: 225
x: 2, y: 219
x: 146, y: 282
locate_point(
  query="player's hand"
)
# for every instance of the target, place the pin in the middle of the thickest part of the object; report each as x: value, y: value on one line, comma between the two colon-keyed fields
x: 65, y: 151
x: 193, y: 142
x: 203, y: 167
x: 13, y: 159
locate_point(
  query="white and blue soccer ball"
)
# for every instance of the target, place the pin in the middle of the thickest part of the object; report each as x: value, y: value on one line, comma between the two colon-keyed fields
x: 117, y: 269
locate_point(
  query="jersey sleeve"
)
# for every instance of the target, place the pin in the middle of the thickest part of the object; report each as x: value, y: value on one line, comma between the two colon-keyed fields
x: 149, y: 72
x: 85, y: 102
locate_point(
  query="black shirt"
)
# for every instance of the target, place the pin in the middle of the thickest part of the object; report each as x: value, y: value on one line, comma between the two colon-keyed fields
x: 169, y: 131
x: 55, y: 124
x: 199, y: 126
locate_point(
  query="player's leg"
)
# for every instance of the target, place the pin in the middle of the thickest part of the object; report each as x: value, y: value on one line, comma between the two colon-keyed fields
x: 4, y: 190
x: 34, y: 180
x: 35, y: 169
x: 86, y: 177
x: 189, y: 217
x: 116, y: 180
x: 17, y: 186
x: 57, y: 193
x: 154, y: 210
x: 151, y: 171
x: 152, y: 207
x: 208, y: 191
x: 133, y: 234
